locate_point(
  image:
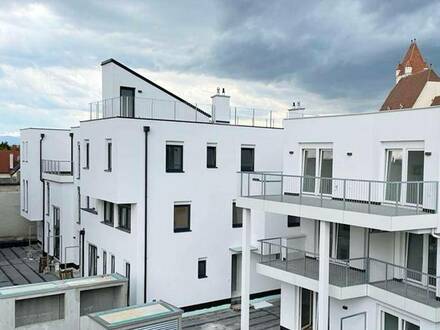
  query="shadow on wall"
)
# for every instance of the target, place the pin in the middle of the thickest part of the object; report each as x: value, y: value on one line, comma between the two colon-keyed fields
x: 13, y: 227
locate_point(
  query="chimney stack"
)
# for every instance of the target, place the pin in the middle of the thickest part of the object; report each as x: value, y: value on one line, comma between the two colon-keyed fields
x: 221, y: 110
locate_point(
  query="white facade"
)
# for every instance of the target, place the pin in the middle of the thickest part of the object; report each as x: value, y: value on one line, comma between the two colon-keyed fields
x: 171, y: 263
x: 377, y: 255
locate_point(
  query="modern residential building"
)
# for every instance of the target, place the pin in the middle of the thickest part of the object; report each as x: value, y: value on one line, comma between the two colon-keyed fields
x: 363, y: 191
x: 147, y: 186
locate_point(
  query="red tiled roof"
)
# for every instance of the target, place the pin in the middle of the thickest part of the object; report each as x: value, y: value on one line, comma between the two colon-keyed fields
x: 413, y: 58
x: 435, y: 101
x: 406, y: 92
x: 4, y: 159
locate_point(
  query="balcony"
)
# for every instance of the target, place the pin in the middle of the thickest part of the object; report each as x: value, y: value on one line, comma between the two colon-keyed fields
x: 57, y: 170
x: 350, y: 201
x: 148, y: 108
x: 411, y: 284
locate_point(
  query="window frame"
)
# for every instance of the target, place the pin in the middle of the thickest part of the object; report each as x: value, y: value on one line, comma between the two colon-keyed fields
x: 48, y: 198
x: 236, y: 214
x: 202, y: 272
x: 87, y: 155
x: 104, y: 262
x: 188, y: 227
x: 109, y: 154
x: 111, y: 219
x: 247, y: 169
x: 208, y: 148
x: 169, y: 169
x: 127, y: 226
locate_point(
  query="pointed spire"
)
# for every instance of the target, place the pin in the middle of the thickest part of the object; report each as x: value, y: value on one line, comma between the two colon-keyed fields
x: 413, y: 60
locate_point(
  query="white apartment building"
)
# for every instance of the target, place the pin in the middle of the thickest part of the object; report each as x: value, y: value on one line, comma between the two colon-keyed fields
x: 362, y: 190
x: 147, y: 188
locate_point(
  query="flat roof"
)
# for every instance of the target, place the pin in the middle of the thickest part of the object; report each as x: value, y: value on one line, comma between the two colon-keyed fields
x: 46, y: 287
x: 136, y: 314
x: 364, y: 113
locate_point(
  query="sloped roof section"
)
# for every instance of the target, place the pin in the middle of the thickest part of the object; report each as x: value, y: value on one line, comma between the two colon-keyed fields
x: 413, y: 58
x: 436, y: 101
x: 406, y: 92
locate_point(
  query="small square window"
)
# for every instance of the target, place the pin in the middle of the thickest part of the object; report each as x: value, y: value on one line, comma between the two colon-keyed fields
x: 211, y: 157
x: 124, y: 213
x: 237, y: 216
x: 201, y: 273
x: 174, y: 158
x: 293, y: 221
x: 182, y: 218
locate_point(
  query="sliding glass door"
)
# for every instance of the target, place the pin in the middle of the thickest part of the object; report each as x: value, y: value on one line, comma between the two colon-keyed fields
x: 418, y: 246
x: 317, y: 163
x: 309, y: 171
x: 393, y: 174
x: 326, y: 171
x: 414, y: 189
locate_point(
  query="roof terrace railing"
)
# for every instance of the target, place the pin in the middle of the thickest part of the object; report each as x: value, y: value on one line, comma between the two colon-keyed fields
x: 150, y: 108
x: 368, y: 196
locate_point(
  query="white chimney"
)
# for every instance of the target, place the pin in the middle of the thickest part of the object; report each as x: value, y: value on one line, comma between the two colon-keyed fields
x: 296, y: 111
x: 221, y: 109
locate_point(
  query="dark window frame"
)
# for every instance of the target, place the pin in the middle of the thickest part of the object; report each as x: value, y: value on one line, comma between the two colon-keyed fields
x: 127, y: 225
x: 246, y: 167
x: 109, y: 217
x: 293, y: 221
x: 169, y: 163
x: 48, y: 198
x: 213, y: 158
x: 87, y: 155
x: 112, y: 263
x: 202, y: 268
x: 104, y: 262
x: 109, y: 151
x: 186, y: 228
x: 237, y: 215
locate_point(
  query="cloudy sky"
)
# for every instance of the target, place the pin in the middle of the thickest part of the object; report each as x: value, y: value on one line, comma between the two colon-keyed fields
x: 334, y: 56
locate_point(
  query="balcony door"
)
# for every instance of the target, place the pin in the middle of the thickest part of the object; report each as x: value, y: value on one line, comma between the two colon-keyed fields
x: 404, y: 166
x: 421, y: 257
x: 317, y: 171
x: 306, y: 309
x: 127, y: 101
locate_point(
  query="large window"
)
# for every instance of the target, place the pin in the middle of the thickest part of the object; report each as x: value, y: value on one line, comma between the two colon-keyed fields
x: 93, y: 260
x: 417, y: 246
x: 247, y: 159
x: 237, y: 216
x: 124, y: 213
x: 182, y: 218
x: 108, y: 143
x: 174, y: 158
x: 127, y: 102
x: 393, y: 322
x: 211, y: 156
x: 394, y: 174
x: 309, y: 171
x: 108, y: 213
x: 201, y: 271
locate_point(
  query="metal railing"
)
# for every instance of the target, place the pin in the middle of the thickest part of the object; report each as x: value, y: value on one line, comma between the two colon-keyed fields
x: 370, y: 196
x: 410, y: 283
x: 58, y: 167
x: 150, y: 108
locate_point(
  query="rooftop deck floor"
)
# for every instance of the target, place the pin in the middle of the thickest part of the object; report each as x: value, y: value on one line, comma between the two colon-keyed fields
x: 337, y: 204
x: 267, y: 318
x: 19, y: 265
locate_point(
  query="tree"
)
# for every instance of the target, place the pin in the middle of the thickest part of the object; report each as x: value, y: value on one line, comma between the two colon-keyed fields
x: 4, y: 145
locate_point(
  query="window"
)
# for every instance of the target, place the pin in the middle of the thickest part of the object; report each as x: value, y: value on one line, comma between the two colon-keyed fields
x: 112, y: 264
x: 417, y: 246
x: 56, y: 233
x: 174, y: 158
x: 317, y: 163
x: 127, y: 275
x: 93, y: 260
x: 109, y: 155
x: 127, y: 101
x: 343, y: 241
x: 293, y: 221
x: 202, y: 268
x: 79, y: 204
x: 79, y: 161
x: 237, y: 216
x: 211, y: 157
x: 124, y: 212
x: 23, y: 195
x: 247, y: 159
x: 27, y: 196
x: 48, y: 199
x: 108, y: 213
x: 87, y: 202
x: 182, y: 218
x: 87, y: 151
x: 393, y: 322
x: 104, y: 262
